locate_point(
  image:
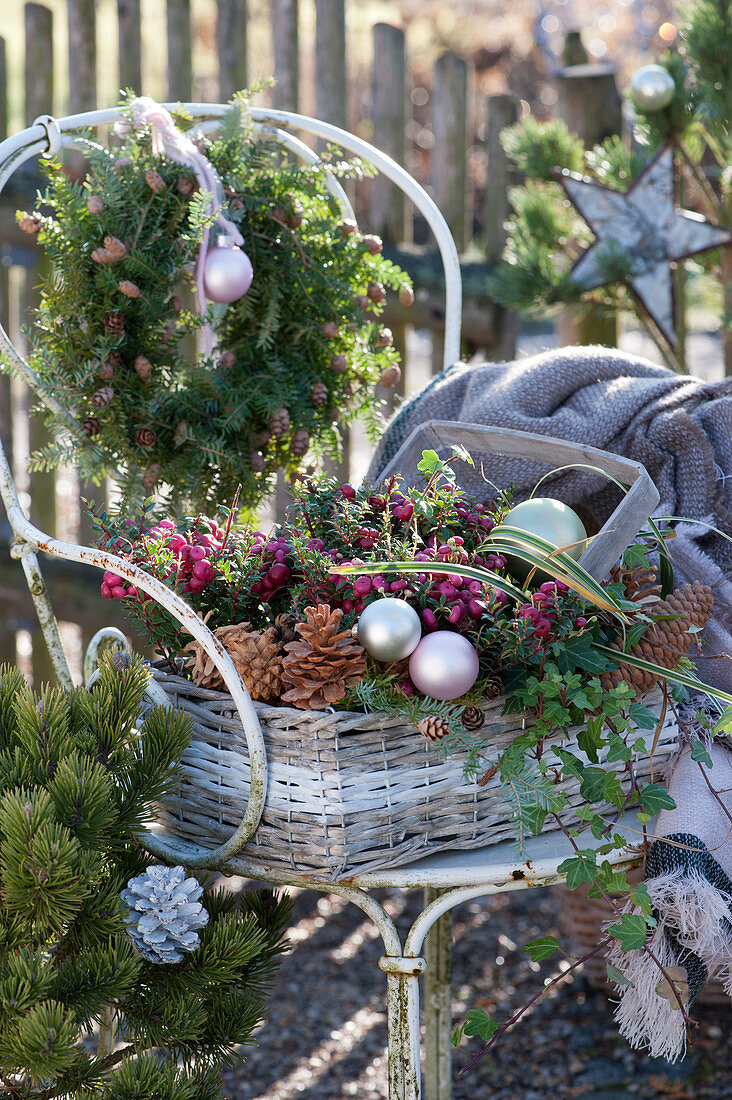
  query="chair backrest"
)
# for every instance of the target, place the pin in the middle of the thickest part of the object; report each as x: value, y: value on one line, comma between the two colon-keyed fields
x: 47, y: 137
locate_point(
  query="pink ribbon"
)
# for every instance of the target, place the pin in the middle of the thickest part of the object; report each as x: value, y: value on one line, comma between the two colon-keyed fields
x: 169, y: 141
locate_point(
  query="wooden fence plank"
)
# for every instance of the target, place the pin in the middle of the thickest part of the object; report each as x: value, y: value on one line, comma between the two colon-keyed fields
x: 284, y: 16
x: 82, y: 55
x: 231, y: 44
x: 130, y: 44
x: 180, y: 62
x: 450, y: 152
x: 7, y: 632
x: 502, y: 111
x: 39, y: 99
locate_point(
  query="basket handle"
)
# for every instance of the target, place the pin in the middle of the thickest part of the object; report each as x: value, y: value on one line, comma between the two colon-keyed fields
x: 620, y: 528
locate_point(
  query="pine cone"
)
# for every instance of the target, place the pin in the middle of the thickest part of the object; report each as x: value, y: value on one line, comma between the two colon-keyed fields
x: 121, y: 163
x: 114, y: 360
x: 373, y: 244
x: 117, y: 247
x: 31, y: 223
x: 473, y: 718
x: 433, y: 727
x: 376, y: 292
x: 151, y: 476
x: 105, y: 372
x: 390, y: 375
x: 102, y: 256
x: 319, y: 394
x: 257, y: 657
x: 638, y: 582
x: 130, y: 290
x: 143, y: 368
x: 324, y: 663
x: 279, y: 422
x: 145, y: 437
x: 667, y: 640
x: 115, y: 321
x: 102, y: 397
x: 257, y: 462
x: 299, y: 443
x: 384, y: 339
x: 185, y: 185
x: 227, y: 359
x: 339, y: 364
x: 154, y: 181
x: 406, y: 296
x: 92, y: 426
x: 164, y: 913
x: 95, y: 204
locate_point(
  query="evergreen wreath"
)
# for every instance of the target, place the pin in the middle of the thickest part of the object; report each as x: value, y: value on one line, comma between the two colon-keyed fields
x: 114, y: 339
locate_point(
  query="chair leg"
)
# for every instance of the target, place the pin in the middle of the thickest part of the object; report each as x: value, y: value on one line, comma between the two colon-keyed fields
x: 438, y: 1005
x: 404, y: 1077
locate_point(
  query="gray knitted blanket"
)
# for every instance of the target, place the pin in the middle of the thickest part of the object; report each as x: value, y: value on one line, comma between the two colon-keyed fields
x: 680, y: 428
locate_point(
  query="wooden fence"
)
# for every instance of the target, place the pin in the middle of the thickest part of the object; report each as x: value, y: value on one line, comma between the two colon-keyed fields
x: 476, y: 219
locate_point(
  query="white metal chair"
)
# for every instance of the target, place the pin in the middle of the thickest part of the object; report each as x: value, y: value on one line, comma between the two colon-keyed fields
x: 447, y: 878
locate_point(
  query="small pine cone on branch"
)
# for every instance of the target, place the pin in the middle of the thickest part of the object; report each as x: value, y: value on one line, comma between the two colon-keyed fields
x: 95, y: 204
x: 257, y: 462
x: 130, y: 290
x: 105, y: 371
x: 473, y: 718
x: 143, y: 368
x: 116, y: 247
x: 155, y: 181
x: 319, y: 394
x: 30, y: 223
x: 667, y: 640
x: 102, y: 256
x: 115, y: 321
x: 145, y: 437
x: 433, y: 727
x: 324, y: 663
x: 164, y: 913
x: 186, y: 185
x: 103, y: 397
x: 390, y: 375
x: 299, y: 443
x: 151, y: 476
x: 279, y: 423
x: 92, y: 426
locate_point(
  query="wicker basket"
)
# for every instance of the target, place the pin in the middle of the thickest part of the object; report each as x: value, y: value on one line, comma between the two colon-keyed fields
x: 347, y: 793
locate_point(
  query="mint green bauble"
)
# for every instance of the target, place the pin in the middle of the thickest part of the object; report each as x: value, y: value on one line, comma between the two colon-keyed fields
x: 551, y: 520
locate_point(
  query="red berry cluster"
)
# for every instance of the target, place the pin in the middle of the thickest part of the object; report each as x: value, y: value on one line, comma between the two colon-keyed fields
x: 189, y: 569
x: 544, y: 610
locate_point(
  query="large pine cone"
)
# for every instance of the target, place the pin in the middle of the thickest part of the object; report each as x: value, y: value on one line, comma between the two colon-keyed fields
x: 667, y: 641
x: 639, y: 583
x: 257, y: 657
x: 324, y: 663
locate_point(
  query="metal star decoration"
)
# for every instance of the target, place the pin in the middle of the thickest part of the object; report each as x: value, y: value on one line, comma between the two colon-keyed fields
x: 650, y: 230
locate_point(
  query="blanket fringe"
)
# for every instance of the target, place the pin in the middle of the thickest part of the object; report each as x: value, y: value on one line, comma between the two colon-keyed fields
x: 695, y: 912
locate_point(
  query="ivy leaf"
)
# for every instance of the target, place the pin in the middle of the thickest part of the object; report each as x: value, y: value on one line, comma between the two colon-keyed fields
x: 639, y: 896
x: 699, y: 752
x: 590, y: 739
x: 636, y: 555
x: 543, y: 948
x: 429, y: 463
x: 572, y: 764
x: 460, y: 452
x: 478, y: 1022
x: 631, y: 931
x: 617, y: 976
x: 654, y: 797
x: 534, y: 817
x: 724, y: 722
x: 617, y: 749
x: 644, y: 718
x: 592, y: 785
x: 579, y: 868
x: 613, y: 790
x: 579, y: 653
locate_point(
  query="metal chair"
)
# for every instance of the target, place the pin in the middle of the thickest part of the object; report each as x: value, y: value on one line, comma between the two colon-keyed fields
x: 446, y: 879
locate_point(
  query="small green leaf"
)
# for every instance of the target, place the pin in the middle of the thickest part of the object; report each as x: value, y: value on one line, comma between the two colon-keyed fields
x: 429, y: 463
x: 579, y: 868
x: 654, y: 797
x: 643, y: 717
x: 460, y: 452
x: 699, y: 752
x: 631, y: 931
x: 724, y: 722
x: 478, y: 1022
x: 617, y: 976
x: 639, y: 896
x: 592, y: 785
x: 542, y: 948
x: 617, y: 749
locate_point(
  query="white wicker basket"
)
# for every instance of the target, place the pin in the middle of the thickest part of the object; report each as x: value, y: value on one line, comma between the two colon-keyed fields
x: 347, y: 792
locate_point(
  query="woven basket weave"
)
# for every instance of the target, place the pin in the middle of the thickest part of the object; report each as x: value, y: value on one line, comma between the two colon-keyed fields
x: 347, y: 793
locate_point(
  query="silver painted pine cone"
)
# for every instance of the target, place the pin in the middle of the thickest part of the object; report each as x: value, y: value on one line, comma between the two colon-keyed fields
x: 164, y: 913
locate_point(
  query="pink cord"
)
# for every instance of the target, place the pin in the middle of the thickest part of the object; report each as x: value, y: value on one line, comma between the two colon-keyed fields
x: 168, y: 140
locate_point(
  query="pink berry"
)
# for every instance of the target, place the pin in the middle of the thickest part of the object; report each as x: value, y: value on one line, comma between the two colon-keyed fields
x: 548, y: 586
x: 132, y: 590
x: 397, y: 586
x: 457, y: 614
x: 176, y: 543
x: 113, y: 579
x: 580, y: 622
x: 119, y: 591
x: 543, y: 628
x: 194, y: 585
x: 476, y: 608
x: 279, y: 574
x: 348, y: 605
x: 348, y: 491
x: 107, y: 591
x: 449, y: 591
x: 197, y: 553
x: 166, y: 525
x: 406, y: 687
x: 362, y: 586
x: 429, y: 619
x: 379, y: 582
x: 202, y: 571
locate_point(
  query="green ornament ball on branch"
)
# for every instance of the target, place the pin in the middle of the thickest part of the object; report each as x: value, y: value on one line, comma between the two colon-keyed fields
x: 115, y: 336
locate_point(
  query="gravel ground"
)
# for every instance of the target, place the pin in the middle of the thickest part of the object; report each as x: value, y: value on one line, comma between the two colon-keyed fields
x: 326, y: 1033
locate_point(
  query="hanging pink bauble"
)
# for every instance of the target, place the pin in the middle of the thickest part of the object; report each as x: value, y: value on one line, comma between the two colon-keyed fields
x: 228, y: 274
x: 444, y: 665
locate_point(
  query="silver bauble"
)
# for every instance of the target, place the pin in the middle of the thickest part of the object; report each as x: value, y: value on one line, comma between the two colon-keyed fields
x: 444, y: 665
x: 227, y: 275
x: 389, y: 629
x: 551, y: 520
x: 652, y: 88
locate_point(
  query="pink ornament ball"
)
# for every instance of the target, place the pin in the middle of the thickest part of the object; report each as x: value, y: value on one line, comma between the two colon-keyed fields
x: 227, y: 275
x: 444, y: 665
